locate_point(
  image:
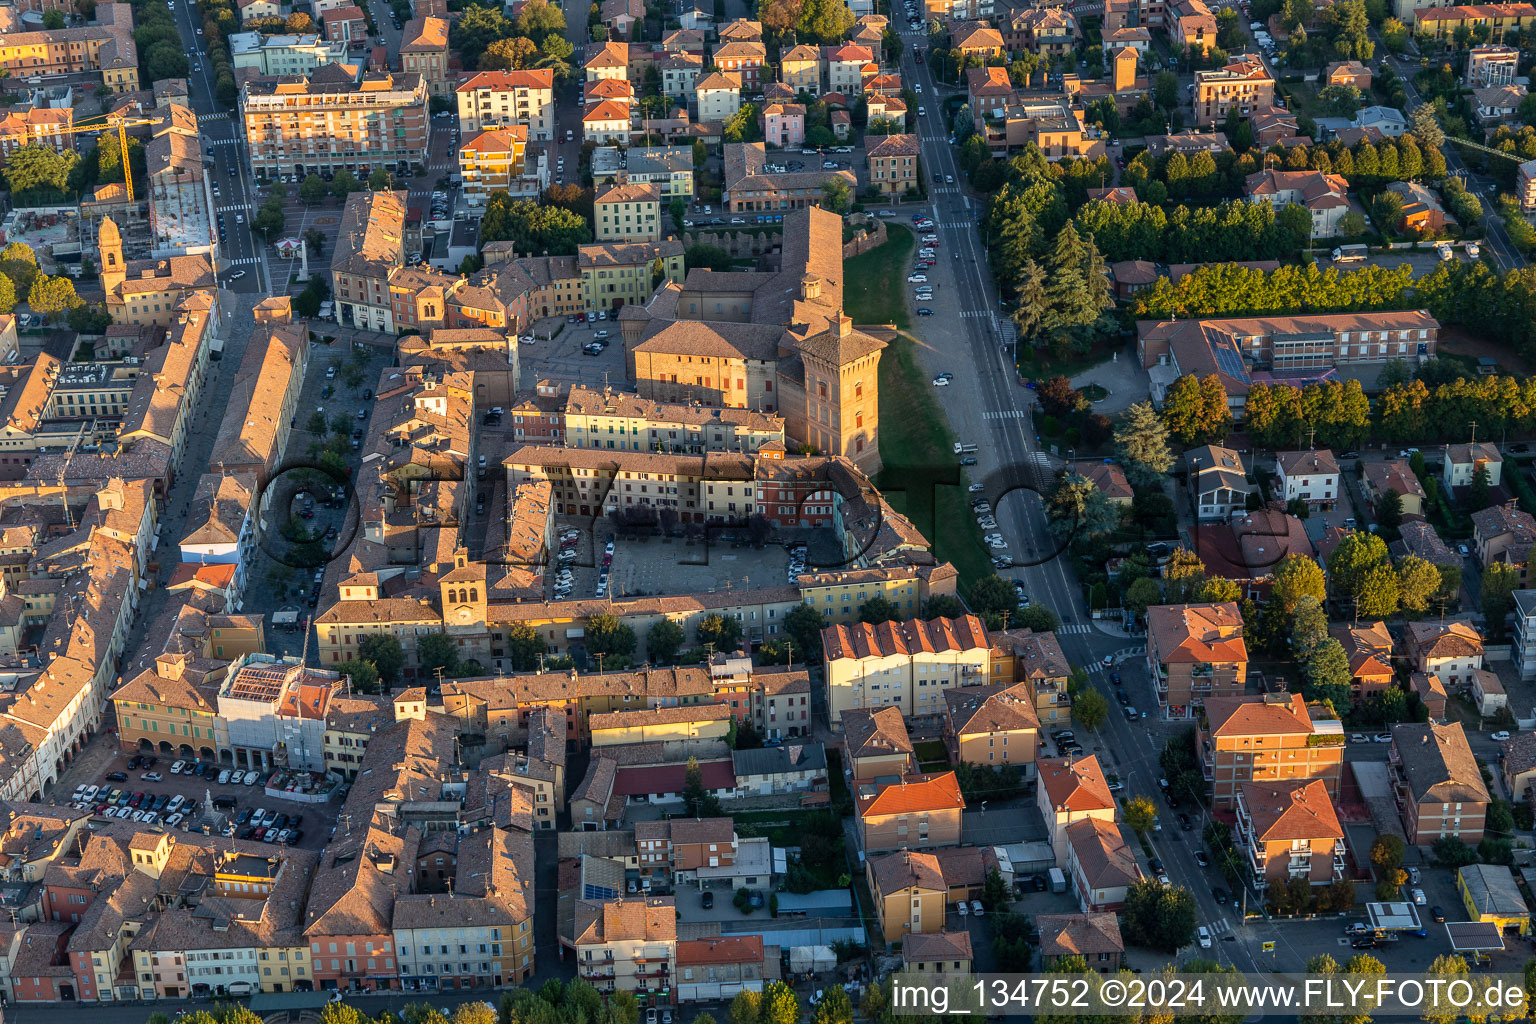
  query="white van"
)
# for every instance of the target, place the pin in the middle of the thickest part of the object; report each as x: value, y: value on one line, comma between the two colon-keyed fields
x: 965, y: 449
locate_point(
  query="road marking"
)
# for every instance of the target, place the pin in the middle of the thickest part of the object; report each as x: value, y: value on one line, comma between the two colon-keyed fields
x: 236, y: 208
x: 967, y: 313
x: 1221, y: 927
x: 1005, y: 414
x: 213, y: 117
x: 247, y: 261
x: 1075, y: 627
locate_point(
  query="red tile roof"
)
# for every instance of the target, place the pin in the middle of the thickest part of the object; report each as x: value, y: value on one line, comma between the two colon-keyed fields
x: 936, y: 792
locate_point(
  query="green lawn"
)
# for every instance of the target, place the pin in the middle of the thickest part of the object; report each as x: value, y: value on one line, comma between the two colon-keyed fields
x: 874, y: 283
x: 917, y: 449
x: 784, y: 828
x: 931, y: 750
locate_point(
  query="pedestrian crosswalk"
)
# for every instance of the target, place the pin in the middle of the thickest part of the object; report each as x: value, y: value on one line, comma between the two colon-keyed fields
x: 218, y: 142
x: 956, y: 225
x: 1005, y: 414
x: 1074, y: 628
x: 245, y: 261
x: 213, y: 117
x: 1221, y: 927
x: 935, y: 138
x: 235, y: 208
x: 948, y: 190
x: 973, y: 313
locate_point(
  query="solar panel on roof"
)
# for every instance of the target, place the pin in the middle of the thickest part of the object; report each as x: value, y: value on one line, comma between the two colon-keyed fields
x: 597, y: 892
x: 1228, y: 360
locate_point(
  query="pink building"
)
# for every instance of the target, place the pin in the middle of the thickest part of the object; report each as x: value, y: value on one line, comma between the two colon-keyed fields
x: 783, y: 124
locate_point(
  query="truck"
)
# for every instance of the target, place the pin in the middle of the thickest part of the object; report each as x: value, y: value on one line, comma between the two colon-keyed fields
x: 1058, y: 880
x: 1350, y: 254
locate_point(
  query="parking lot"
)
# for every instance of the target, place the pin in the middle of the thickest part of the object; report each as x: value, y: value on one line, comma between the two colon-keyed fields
x: 621, y: 566
x: 167, y: 799
x: 562, y: 357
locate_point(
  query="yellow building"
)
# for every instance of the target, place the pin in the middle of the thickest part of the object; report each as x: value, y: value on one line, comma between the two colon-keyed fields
x: 909, y: 890
x: 874, y: 666
x: 175, y: 715
x: 628, y: 213
x: 627, y: 274
x: 1491, y: 896
x: 491, y: 161
x: 350, y: 723
x: 147, y: 292
x: 991, y: 726
x: 697, y: 722
x: 1496, y: 18
x: 106, y: 47
x: 608, y: 419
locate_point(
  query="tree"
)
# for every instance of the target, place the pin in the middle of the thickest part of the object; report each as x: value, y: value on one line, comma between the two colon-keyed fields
x: 474, y: 1012
x: 1478, y: 494
x: 1500, y: 581
x: 1327, y: 673
x: 1142, y: 442
x: 1165, y: 90
x: 836, y: 194
x: 52, y: 294
x: 1450, y: 852
x: 1140, y: 813
x: 780, y: 1004
x: 723, y: 632
x: 38, y: 175
x: 1387, y: 853
x: 1217, y: 590
x: 1077, y: 508
x: 53, y: 20
x: 1142, y: 594
x: 7, y: 294
x: 1417, y: 583
x: 1425, y: 127
x: 943, y: 606
x: 436, y: 651
x: 524, y: 647
x: 513, y: 54
x: 745, y: 1007
x: 879, y: 609
x: 994, y: 892
x: 1389, y: 512
x: 835, y: 1006
x: 697, y: 801
x: 313, y: 189
x: 609, y: 638
x: 1158, y: 917
x: 1297, y: 576
x: 1309, y: 627
x: 1378, y: 594
x: 365, y: 678
x: 344, y: 184
x: 1447, y: 967
x: 1090, y: 709
x: 383, y: 652
x: 379, y: 180
x: 1352, y: 561
x: 804, y: 624
x: 663, y: 640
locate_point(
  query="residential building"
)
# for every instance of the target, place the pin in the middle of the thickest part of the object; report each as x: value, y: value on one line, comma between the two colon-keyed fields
x: 976, y: 39
x: 39, y: 126
x: 1497, y: 104
x: 1491, y: 66
x: 621, y: 16
x: 1431, y: 693
x: 105, y: 49
x: 1136, y: 39
x: 1050, y: 123
x: 424, y: 50
x: 1195, y: 652
x: 1437, y: 784
x: 369, y: 246
x: 1450, y: 651
x: 628, y: 213
x: 1517, y: 763
x: 668, y: 168
x: 1462, y: 461
x: 1524, y: 645
x: 743, y: 58
x: 1069, y: 791
x: 876, y: 743
x: 610, y: 60
x: 783, y: 124
x: 1243, y: 84
x: 1419, y: 538
x: 603, y: 419
x: 800, y: 69
x: 606, y: 123
x: 679, y: 74
x: 1108, y: 478
x: 1289, y: 830
x: 992, y: 725
x: 1218, y: 482
x: 753, y: 185
x: 793, y: 769
x: 1309, y: 476
x: 917, y: 811
x: 1495, y: 19
x: 715, y: 969
x: 1325, y: 196
x: 893, y: 164
x: 905, y: 664
x: 336, y: 118
x: 717, y: 96
x: 492, y: 160
x: 1276, y: 737
x: 615, y: 274
x: 1101, y: 866
x: 627, y: 945
x: 1348, y: 74
x: 1093, y: 936
x: 346, y: 24
x: 909, y: 892
x: 1037, y: 661
x: 937, y: 953
x: 1369, y: 649
x: 1397, y: 476
x: 1192, y: 23
x: 147, y: 292
x: 494, y: 99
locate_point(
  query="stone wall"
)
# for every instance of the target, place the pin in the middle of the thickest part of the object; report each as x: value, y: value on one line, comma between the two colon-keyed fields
x: 874, y: 234
x: 742, y: 245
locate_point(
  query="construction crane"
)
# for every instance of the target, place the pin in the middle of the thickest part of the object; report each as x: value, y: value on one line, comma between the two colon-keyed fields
x: 113, y: 122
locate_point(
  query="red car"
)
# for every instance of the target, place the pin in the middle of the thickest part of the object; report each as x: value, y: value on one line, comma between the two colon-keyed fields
x: 918, y: 58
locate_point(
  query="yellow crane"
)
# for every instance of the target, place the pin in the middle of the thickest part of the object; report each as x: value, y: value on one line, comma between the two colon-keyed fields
x: 113, y: 122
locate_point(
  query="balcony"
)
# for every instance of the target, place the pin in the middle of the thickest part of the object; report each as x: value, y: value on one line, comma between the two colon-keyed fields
x: 1299, y: 867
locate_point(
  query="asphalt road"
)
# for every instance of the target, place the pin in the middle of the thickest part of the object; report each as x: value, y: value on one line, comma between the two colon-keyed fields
x: 224, y: 144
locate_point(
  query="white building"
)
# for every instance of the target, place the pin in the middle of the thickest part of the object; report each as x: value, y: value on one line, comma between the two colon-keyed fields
x: 284, y: 55
x: 1310, y: 476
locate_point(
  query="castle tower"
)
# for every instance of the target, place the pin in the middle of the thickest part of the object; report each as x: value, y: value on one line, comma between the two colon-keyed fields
x: 110, y: 249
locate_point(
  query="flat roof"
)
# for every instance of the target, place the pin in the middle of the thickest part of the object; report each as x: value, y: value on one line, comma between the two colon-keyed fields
x: 1393, y: 917
x: 1472, y: 936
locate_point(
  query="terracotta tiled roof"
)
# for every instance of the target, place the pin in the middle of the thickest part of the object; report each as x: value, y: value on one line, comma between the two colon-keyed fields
x: 890, y: 639
x: 875, y: 733
x: 1284, y: 811
x: 934, y: 792
x: 1085, y: 935
x: 1277, y: 714
x: 906, y: 869
x: 1438, y: 763
x: 1198, y: 633
x: 1075, y: 785
x: 928, y: 947
x: 1101, y: 853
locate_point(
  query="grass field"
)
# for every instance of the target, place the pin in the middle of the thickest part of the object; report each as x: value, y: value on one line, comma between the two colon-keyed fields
x: 874, y: 283
x: 917, y: 449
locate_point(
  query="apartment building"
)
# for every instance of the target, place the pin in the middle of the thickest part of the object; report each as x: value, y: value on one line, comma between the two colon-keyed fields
x: 909, y: 892
x: 1195, y: 652
x: 1094, y: 937
x: 715, y: 969
x: 105, y: 48
x: 1504, y: 534
x: 618, y: 420
x: 1325, y: 196
x: 744, y: 58
x: 991, y: 726
x: 907, y: 665
x: 1218, y: 482
x: 1050, y: 123
x: 39, y: 126
x: 668, y: 168
x: 938, y: 953
x: 424, y: 51
x: 493, y: 160
x: 753, y: 185
x: 1525, y: 185
x: 627, y: 945
x: 838, y: 595
x: 1101, y: 866
x: 847, y: 66
x: 893, y: 164
x: 369, y: 245
x: 1243, y: 84
x: 783, y: 124
x: 1395, y: 475
x: 717, y: 96
x: 628, y: 213
x: 495, y: 99
x: 1310, y: 476
x: 800, y: 69
x: 1276, y: 737
x: 618, y: 274
x: 1437, y: 783
x: 877, y: 743
x: 1289, y: 830
x: 284, y: 54
x: 336, y: 118
x: 610, y: 60
x: 1462, y: 462
x: 1071, y: 790
x: 917, y: 811
x: 1037, y: 661
x: 976, y: 39
x: 1192, y: 23
x: 1495, y: 19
